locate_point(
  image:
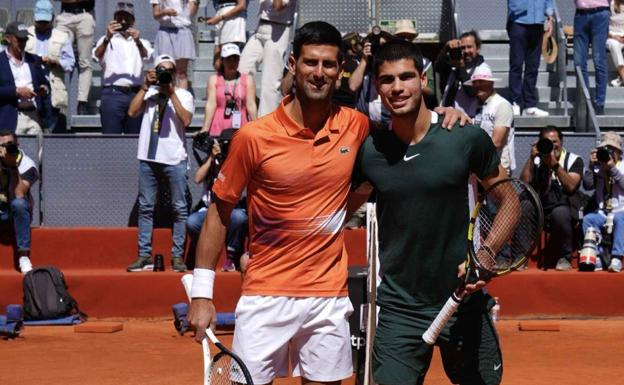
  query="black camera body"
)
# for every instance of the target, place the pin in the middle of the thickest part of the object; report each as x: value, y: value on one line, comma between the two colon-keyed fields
x: 230, y: 107
x: 163, y: 76
x: 11, y: 148
x: 544, y: 146
x: 604, y: 154
x: 455, y: 53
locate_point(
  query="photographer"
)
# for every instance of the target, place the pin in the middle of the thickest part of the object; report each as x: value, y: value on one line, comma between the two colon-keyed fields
x: 167, y: 111
x: 206, y: 174
x: 606, y: 175
x: 121, y: 53
x: 458, y: 59
x: 556, y: 174
x: 17, y: 175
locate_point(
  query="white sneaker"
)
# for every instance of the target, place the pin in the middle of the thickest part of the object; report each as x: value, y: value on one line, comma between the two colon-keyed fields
x: 516, y: 109
x: 534, y: 111
x: 25, y: 265
x: 617, y: 82
x: 615, y: 266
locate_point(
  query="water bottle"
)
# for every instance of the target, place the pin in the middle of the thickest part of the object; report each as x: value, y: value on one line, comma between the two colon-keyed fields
x: 495, y: 310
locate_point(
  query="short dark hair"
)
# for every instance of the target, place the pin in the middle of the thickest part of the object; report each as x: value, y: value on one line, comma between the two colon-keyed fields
x: 549, y: 129
x: 474, y: 35
x: 8, y: 133
x: 317, y: 33
x: 395, y: 50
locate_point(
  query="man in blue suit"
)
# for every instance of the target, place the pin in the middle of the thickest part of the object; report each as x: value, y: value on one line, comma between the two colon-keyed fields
x: 23, y: 83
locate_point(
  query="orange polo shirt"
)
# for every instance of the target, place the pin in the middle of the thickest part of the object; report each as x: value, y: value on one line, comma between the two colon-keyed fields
x: 297, y: 188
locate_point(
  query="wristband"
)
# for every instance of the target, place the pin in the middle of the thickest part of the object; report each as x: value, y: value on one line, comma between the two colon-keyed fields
x: 203, y: 283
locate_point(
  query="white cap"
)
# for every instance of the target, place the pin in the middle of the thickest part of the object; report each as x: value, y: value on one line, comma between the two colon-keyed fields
x: 163, y: 58
x: 482, y: 72
x: 230, y: 49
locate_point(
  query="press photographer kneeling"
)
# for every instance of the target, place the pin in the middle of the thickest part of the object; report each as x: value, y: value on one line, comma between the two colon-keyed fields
x: 555, y: 174
x: 606, y: 175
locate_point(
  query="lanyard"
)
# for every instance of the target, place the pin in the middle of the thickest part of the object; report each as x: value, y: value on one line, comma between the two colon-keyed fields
x: 233, y: 91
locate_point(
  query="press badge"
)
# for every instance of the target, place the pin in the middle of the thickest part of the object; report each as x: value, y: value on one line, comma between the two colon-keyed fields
x: 236, y: 119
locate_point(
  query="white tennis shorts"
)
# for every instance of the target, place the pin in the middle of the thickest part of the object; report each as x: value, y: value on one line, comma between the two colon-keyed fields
x: 314, y: 332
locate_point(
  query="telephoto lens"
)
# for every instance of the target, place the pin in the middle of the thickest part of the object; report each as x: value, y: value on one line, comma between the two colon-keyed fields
x: 603, y: 154
x: 544, y: 146
x: 163, y: 75
x: 11, y: 148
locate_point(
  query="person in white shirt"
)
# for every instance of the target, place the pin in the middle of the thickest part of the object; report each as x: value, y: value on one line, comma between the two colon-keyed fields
x: 494, y: 115
x: 175, y: 36
x: 166, y: 112
x: 269, y: 46
x: 121, y: 53
x: 230, y: 22
x: 615, y: 42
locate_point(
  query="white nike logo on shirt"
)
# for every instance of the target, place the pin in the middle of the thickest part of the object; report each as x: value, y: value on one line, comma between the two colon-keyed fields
x: 496, y: 367
x: 407, y: 158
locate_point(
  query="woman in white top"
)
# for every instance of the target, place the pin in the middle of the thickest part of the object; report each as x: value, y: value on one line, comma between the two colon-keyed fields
x: 615, y: 42
x: 175, y: 36
x: 230, y: 22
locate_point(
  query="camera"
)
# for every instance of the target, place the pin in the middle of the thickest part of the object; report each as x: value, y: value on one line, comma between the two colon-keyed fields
x: 544, y: 146
x: 230, y: 107
x: 375, y: 39
x: 11, y: 148
x: 604, y: 154
x: 163, y: 76
x: 455, y: 53
x: 203, y: 142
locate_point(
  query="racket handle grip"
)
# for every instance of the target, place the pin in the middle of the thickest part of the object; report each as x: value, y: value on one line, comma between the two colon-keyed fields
x: 450, y: 307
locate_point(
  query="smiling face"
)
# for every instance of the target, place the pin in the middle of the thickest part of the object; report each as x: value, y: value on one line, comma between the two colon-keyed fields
x: 315, y: 70
x: 400, y: 86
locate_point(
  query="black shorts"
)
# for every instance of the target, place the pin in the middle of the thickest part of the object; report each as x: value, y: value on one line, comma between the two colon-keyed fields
x: 468, y: 345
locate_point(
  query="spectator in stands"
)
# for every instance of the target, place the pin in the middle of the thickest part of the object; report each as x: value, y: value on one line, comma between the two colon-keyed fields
x: 591, y: 26
x: 494, y: 115
x: 121, y: 53
x: 556, y: 174
x: 230, y: 22
x: 17, y: 175
x: 55, y: 49
x: 166, y: 110
x: 76, y: 18
x: 527, y: 23
x: 269, y: 46
x: 231, y: 95
x: 615, y: 42
x: 455, y: 64
x: 175, y: 36
x: 23, y: 83
x: 362, y: 80
x: 237, y: 227
x: 606, y: 176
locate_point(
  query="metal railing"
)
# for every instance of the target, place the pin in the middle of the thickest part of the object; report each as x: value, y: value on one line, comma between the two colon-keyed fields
x: 562, y: 43
x: 584, y: 113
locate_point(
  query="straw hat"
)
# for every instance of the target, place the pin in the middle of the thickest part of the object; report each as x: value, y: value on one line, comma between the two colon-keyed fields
x: 611, y: 139
x: 405, y: 27
x: 550, y: 50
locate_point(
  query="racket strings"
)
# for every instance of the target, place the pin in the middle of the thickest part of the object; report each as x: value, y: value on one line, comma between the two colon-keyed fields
x: 518, y: 223
x: 226, y: 371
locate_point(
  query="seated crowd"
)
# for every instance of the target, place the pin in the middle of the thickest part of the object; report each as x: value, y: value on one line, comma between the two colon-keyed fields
x: 156, y: 105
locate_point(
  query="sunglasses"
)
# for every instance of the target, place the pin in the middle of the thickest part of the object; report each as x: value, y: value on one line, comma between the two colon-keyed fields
x: 125, y: 5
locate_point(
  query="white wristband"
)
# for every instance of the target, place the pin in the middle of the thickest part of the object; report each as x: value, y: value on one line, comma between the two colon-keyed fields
x: 203, y: 283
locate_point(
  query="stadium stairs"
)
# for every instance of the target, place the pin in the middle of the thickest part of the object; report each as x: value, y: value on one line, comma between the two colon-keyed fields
x: 94, y: 261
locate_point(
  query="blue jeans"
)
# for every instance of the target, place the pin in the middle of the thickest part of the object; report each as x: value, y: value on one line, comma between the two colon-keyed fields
x: 149, y: 175
x: 597, y: 220
x: 20, y: 215
x: 236, y: 230
x: 525, y: 43
x: 114, y: 112
x: 592, y: 28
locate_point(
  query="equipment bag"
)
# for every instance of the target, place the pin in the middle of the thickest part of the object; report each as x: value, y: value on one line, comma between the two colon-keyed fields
x: 46, y: 296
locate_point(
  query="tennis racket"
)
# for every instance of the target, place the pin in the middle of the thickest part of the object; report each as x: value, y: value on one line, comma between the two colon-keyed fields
x: 371, y: 308
x: 507, y: 221
x: 225, y: 367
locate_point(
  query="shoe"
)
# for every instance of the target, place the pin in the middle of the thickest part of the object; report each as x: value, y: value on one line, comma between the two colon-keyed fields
x: 228, y: 265
x: 83, y: 109
x: 25, y: 265
x: 177, y: 265
x: 598, y: 266
x: 534, y: 111
x: 141, y: 264
x: 563, y: 264
x: 616, y: 265
x: 617, y: 82
x: 516, y: 109
x: 599, y: 110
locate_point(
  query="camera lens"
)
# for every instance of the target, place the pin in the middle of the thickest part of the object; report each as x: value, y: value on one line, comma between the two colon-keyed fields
x: 603, y: 155
x: 163, y: 75
x: 11, y: 148
x: 544, y: 146
x: 455, y: 53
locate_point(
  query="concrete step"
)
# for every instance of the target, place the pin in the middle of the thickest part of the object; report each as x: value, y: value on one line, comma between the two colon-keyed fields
x: 530, y: 122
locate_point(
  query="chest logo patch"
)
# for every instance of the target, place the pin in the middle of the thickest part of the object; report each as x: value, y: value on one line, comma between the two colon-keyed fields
x: 344, y: 150
x: 408, y: 158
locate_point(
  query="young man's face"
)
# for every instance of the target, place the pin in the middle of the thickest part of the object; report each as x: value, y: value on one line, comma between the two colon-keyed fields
x: 316, y: 71
x: 400, y: 86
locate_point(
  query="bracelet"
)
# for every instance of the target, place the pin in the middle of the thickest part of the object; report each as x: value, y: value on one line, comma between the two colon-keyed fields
x: 203, y: 283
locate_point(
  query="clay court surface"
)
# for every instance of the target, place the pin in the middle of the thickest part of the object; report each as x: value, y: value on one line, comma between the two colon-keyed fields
x: 583, y: 352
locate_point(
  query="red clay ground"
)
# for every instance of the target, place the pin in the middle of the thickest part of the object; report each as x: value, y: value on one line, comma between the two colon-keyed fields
x: 150, y: 352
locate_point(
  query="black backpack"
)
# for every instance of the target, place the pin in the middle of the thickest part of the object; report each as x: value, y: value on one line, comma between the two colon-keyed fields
x: 46, y: 296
